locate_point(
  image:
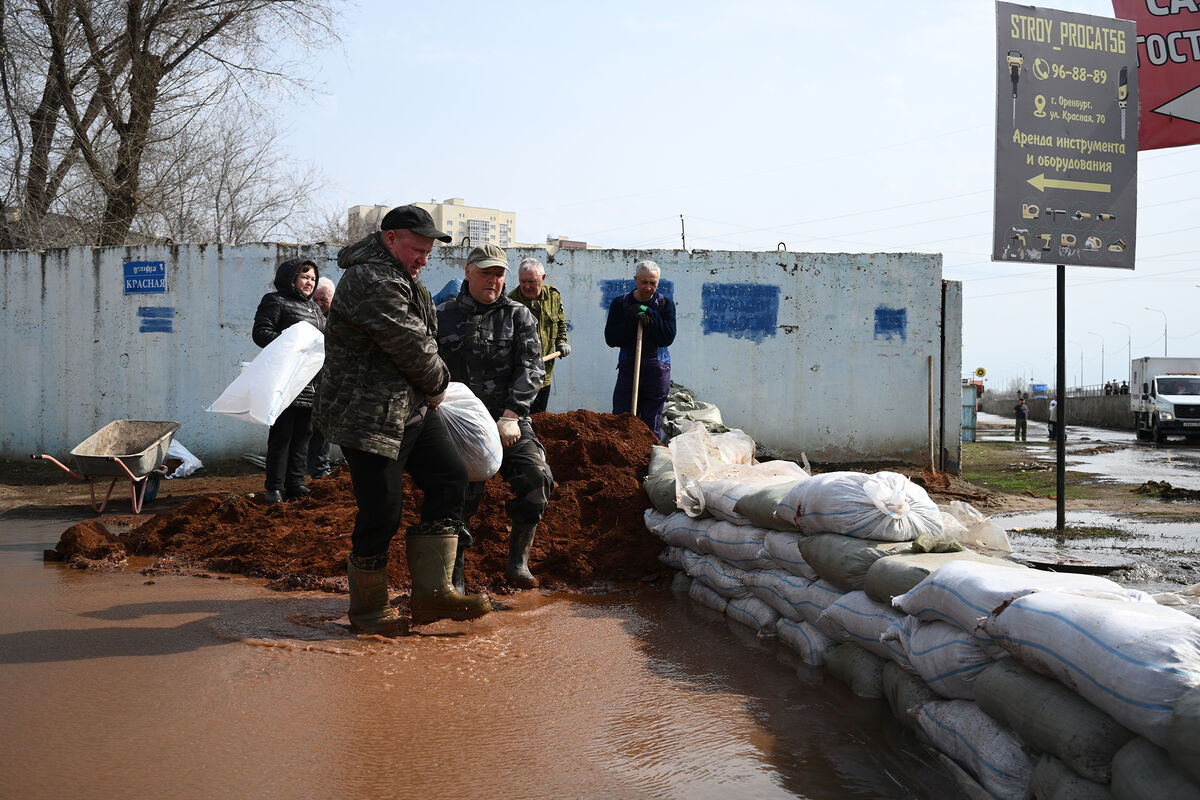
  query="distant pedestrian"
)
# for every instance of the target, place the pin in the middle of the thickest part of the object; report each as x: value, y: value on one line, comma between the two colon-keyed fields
x: 1108, y: 389
x: 1021, y: 413
x: 1052, y: 421
x: 1124, y: 387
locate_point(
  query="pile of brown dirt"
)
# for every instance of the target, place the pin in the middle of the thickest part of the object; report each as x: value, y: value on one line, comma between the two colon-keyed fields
x: 592, y: 535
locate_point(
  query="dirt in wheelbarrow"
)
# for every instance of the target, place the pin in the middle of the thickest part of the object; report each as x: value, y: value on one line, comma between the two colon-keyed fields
x: 592, y: 536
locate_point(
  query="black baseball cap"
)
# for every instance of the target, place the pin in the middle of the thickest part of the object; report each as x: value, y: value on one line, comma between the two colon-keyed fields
x: 412, y: 218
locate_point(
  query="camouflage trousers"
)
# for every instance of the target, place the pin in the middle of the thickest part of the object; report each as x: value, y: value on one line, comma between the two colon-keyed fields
x: 525, y: 469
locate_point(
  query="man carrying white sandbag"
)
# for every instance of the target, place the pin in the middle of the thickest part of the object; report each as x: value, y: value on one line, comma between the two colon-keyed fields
x: 382, y: 376
x: 490, y: 342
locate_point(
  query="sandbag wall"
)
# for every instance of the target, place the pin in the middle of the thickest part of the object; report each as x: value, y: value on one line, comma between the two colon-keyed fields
x: 1038, y: 684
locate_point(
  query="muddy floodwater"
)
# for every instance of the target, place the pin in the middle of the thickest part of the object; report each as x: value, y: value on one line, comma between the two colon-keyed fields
x: 119, y: 685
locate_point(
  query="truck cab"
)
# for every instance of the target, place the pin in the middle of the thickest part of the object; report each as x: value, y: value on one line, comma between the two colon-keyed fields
x: 1165, y: 397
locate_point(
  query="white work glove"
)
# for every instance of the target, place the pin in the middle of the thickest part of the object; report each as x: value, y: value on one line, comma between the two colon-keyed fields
x: 509, y: 430
x: 435, y: 400
x: 564, y: 350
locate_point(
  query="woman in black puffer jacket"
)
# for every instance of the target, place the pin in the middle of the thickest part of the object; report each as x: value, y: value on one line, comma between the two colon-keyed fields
x: 287, y: 442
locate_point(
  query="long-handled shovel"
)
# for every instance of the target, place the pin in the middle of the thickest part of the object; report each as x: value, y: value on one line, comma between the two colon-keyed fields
x: 637, y: 368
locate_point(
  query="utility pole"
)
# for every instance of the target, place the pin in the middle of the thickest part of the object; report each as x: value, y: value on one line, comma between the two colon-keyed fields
x: 682, y: 232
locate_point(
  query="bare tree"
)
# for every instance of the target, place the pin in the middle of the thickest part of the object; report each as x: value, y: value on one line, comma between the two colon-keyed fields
x: 120, y: 78
x: 225, y: 179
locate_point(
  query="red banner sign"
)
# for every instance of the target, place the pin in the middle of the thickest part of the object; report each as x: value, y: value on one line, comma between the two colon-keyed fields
x: 1168, y: 45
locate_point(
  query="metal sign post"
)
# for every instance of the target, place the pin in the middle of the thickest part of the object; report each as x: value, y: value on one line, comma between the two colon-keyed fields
x: 1066, y: 154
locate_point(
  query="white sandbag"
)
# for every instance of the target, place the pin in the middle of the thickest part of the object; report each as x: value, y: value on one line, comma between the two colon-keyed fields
x: 188, y: 462
x: 781, y: 590
x: 759, y: 506
x: 861, y: 671
x: 815, y: 598
x: 897, y: 634
x: 1052, y: 780
x: 673, y: 558
x: 1183, y: 734
x: 1142, y: 771
x: 754, y: 613
x: 854, y: 617
x: 721, y: 495
x: 986, y: 749
x: 659, y: 482
x: 472, y: 431
x: 725, y: 579
x: 808, y: 642
x: 784, y: 549
x: 896, y: 574
x: 691, y: 560
x: 964, y: 592
x: 844, y: 560
x: 905, y: 692
x: 739, y: 545
x: 978, y: 532
x: 946, y: 657
x: 885, y: 506
x: 1132, y: 660
x: 1050, y: 718
x: 677, y: 529
x: 268, y: 384
x: 697, y: 455
x: 705, y: 595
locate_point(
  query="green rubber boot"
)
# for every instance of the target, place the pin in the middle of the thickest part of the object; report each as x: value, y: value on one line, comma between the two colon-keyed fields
x: 431, y: 564
x: 370, y: 611
x: 520, y: 541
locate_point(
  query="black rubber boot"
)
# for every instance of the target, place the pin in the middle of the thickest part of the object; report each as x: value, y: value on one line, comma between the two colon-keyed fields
x: 520, y: 541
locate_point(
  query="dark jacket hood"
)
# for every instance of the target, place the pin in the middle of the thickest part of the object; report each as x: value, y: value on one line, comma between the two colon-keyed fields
x: 285, y: 276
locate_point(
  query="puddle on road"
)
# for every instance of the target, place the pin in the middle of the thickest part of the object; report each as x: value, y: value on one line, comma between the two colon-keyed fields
x: 115, y: 685
x: 1133, y: 463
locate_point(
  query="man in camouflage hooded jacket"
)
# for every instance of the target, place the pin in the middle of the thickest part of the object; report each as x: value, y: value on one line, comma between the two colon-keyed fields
x: 380, y: 385
x: 490, y: 342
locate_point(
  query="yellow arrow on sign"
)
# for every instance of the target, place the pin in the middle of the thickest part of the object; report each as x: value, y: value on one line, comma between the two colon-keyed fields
x: 1041, y: 183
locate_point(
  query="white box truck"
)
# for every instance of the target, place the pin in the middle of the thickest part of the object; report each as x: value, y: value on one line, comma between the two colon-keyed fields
x: 1164, y: 394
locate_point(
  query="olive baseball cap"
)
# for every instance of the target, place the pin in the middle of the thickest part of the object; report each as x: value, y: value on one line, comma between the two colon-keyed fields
x: 488, y: 255
x: 413, y: 218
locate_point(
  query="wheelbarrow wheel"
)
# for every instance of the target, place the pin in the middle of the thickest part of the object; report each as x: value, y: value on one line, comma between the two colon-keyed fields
x: 152, y: 482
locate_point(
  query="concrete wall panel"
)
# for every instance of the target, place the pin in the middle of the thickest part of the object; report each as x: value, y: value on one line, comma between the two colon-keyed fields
x: 807, y: 352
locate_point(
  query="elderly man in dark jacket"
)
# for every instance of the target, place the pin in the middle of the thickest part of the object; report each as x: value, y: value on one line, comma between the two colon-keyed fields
x: 380, y: 387
x: 287, y: 440
x: 490, y: 343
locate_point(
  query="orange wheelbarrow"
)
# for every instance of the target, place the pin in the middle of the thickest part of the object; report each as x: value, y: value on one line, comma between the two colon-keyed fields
x: 125, y: 448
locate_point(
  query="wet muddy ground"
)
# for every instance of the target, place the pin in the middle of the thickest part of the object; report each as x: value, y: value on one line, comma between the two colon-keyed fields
x: 116, y: 684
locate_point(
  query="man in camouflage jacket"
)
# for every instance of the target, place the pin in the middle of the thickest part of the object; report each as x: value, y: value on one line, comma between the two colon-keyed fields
x: 490, y: 342
x: 381, y: 381
x: 545, y: 302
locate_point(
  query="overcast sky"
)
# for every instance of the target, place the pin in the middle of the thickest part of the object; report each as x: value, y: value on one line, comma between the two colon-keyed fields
x: 831, y: 127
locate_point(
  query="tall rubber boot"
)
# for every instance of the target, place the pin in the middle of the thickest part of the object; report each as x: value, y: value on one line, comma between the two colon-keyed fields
x: 520, y: 541
x: 370, y: 611
x: 431, y: 564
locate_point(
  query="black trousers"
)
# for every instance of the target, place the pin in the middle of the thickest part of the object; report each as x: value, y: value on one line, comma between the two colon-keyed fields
x: 287, y: 448
x: 540, y: 401
x: 436, y: 467
x: 525, y: 470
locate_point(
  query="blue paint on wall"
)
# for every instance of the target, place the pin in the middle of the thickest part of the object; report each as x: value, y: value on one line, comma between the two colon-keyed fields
x: 740, y: 310
x: 612, y: 289
x: 156, y: 319
x: 891, y: 322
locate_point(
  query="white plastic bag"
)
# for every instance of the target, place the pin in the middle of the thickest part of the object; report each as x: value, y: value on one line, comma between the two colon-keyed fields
x: 979, y: 532
x: 269, y: 383
x: 190, y: 462
x: 472, y: 430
